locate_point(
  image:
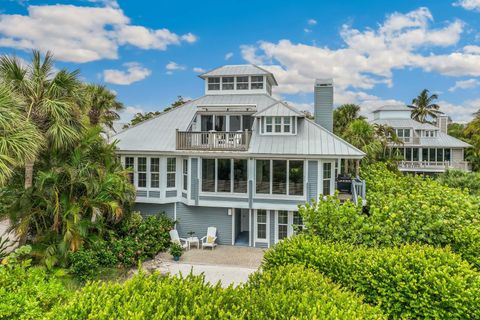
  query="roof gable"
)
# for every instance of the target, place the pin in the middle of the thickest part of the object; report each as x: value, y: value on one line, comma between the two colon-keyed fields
x: 279, y: 109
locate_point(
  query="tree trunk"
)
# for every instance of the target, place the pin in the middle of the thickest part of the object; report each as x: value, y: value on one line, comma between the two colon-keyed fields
x: 29, y: 173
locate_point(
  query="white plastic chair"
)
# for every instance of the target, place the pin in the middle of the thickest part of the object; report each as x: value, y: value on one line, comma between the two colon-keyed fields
x: 210, y: 238
x: 175, y: 238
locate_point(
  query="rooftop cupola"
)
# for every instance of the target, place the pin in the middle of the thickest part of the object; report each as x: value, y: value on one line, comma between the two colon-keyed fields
x: 239, y: 79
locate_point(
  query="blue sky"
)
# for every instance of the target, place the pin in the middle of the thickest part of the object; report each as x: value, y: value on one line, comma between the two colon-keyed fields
x: 149, y: 52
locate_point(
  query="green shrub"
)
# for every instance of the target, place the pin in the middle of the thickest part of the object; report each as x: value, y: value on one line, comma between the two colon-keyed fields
x: 84, y: 264
x: 412, y: 281
x: 462, y: 180
x: 27, y: 293
x: 286, y: 293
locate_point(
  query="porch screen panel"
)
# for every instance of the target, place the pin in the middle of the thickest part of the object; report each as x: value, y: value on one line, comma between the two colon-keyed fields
x: 424, y: 154
x: 279, y: 179
x: 415, y: 154
x: 220, y: 123
x: 208, y: 175
x: 240, y: 175
x: 447, y: 155
x: 206, y: 122
x: 235, y: 122
x: 295, y: 178
x: 263, y: 176
x: 224, y: 179
x: 432, y: 154
x: 247, y: 122
x: 439, y: 155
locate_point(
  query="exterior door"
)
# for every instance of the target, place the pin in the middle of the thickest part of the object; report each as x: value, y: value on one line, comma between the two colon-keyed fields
x: 244, y: 221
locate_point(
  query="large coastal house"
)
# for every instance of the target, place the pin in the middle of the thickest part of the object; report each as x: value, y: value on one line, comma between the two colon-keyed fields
x: 238, y: 159
x: 426, y: 148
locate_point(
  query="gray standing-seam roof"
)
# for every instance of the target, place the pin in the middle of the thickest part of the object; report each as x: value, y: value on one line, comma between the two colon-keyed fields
x: 159, y: 134
x: 239, y: 70
x: 279, y: 109
x: 393, y: 107
x: 406, y: 123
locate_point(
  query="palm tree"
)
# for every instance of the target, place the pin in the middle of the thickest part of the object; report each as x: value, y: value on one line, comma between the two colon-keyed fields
x: 102, y: 105
x: 344, y: 115
x: 50, y: 101
x: 423, y: 107
x: 19, y: 139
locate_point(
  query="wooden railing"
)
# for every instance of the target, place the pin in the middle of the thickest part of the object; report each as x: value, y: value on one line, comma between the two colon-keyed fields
x: 437, y: 165
x: 213, y: 141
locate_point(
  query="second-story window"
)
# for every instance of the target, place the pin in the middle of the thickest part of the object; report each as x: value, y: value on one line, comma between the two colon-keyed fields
x: 242, y: 83
x: 130, y: 164
x: 282, y: 177
x: 227, y: 83
x: 155, y: 172
x: 403, y: 134
x: 171, y: 172
x: 257, y: 82
x: 142, y: 172
x: 247, y: 122
x: 214, y: 83
x: 278, y: 125
x: 268, y: 124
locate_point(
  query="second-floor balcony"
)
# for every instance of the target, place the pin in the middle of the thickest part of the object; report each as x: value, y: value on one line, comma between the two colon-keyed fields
x: 213, y: 140
x: 434, y: 166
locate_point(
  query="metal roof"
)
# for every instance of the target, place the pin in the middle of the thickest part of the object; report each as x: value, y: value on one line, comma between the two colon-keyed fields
x: 279, y: 109
x: 398, y: 107
x: 239, y: 70
x: 406, y: 123
x: 159, y: 134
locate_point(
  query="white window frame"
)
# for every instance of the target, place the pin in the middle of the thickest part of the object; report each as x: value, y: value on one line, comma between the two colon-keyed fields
x: 151, y: 173
x: 247, y: 83
x: 171, y: 172
x: 267, y: 223
x: 252, y: 83
x: 214, y: 83
x: 232, y: 175
x: 185, y: 174
x: 138, y: 172
x: 273, y: 125
x: 321, y: 178
x: 290, y: 231
x: 229, y: 83
x: 132, y: 167
x: 271, y: 194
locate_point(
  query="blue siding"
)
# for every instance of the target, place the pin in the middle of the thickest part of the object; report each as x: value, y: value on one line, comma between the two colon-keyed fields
x: 198, y: 219
x: 148, y: 209
x: 312, y: 186
x: 261, y: 245
x: 272, y: 227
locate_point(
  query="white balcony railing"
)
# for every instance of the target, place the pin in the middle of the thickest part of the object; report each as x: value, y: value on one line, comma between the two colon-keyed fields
x: 434, y: 165
x: 213, y: 141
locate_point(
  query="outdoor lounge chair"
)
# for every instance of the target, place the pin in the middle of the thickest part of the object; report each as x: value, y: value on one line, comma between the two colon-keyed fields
x: 210, y: 238
x: 175, y: 238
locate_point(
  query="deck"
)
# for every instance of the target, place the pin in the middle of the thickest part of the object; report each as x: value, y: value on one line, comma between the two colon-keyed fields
x: 213, y: 141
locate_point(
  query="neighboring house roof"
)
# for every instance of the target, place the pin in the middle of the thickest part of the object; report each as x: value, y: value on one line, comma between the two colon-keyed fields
x: 393, y: 107
x: 239, y: 70
x: 159, y: 134
x: 406, y: 123
x: 279, y: 109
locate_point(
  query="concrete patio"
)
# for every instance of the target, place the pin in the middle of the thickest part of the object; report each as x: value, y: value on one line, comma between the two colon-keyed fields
x: 228, y: 264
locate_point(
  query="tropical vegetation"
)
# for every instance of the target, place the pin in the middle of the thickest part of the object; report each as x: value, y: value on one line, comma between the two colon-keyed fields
x: 424, y: 108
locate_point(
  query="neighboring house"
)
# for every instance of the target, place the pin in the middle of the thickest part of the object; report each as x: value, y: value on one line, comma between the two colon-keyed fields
x: 237, y: 159
x: 426, y: 148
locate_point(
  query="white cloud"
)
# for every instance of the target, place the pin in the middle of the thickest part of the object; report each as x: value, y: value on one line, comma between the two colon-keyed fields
x: 106, y: 3
x: 460, y: 112
x: 465, y: 84
x: 173, y: 66
x: 228, y: 55
x: 311, y: 22
x: 306, y: 30
x: 80, y: 33
x: 198, y: 70
x: 468, y: 4
x: 135, y: 72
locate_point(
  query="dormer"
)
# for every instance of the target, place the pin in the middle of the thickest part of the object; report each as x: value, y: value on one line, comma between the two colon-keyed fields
x: 239, y: 79
x: 278, y: 119
x: 392, y: 112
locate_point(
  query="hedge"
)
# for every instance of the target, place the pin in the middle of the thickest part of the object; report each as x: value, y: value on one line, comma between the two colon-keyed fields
x: 401, y: 209
x: 411, y: 281
x: 286, y: 293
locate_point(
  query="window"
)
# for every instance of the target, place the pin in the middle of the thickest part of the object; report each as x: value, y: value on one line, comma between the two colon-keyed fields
x: 282, y: 225
x: 268, y: 124
x: 130, y: 164
x: 220, y: 123
x: 286, y: 124
x: 261, y: 225
x: 171, y: 171
x: 240, y: 175
x: 425, y: 154
x: 235, y: 123
x: 247, y: 122
x: 224, y: 179
x: 263, y: 176
x: 155, y: 172
x: 432, y: 156
x: 295, y: 177
x: 327, y: 178
x: 214, y: 83
x: 439, y: 155
x: 408, y: 154
x: 279, y: 177
x: 403, y: 134
x: 278, y: 124
x: 227, y: 83
x: 297, y: 221
x: 208, y: 175
x: 447, y: 155
x: 217, y: 175
x: 142, y: 172
x: 242, y: 83
x: 257, y: 82
x: 185, y: 174
x: 415, y: 154
x: 207, y: 122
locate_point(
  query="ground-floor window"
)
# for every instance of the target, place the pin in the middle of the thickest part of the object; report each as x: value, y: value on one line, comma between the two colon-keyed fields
x: 261, y: 221
x: 130, y: 164
x: 287, y: 223
x: 327, y: 178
